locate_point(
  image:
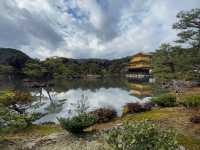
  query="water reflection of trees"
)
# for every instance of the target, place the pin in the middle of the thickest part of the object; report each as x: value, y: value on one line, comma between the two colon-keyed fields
x: 55, y: 105
x: 93, y: 85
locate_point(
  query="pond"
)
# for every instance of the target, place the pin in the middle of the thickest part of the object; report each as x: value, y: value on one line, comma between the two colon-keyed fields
x: 62, y: 99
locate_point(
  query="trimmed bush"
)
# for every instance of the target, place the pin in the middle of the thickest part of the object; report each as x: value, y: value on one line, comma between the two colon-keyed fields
x: 103, y: 114
x: 78, y: 123
x: 192, y: 101
x: 131, y: 108
x: 147, y: 106
x: 166, y: 100
x: 141, y: 136
x: 195, y: 119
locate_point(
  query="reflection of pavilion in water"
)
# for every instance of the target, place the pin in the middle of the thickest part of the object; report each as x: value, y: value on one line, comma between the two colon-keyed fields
x: 140, y: 90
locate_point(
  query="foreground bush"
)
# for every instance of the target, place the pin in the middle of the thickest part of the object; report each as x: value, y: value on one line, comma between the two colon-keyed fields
x: 131, y: 108
x: 103, y: 114
x: 78, y: 123
x: 141, y: 136
x: 11, y: 121
x: 192, y: 101
x: 166, y: 100
x: 195, y: 119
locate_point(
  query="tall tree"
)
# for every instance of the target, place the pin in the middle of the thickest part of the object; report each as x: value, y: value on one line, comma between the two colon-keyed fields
x: 163, y: 66
x: 189, y: 24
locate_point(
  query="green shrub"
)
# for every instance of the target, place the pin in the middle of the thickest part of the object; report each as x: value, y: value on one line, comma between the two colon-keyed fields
x: 34, y: 116
x: 141, y: 136
x: 78, y: 123
x: 166, y: 100
x: 9, y: 97
x: 191, y: 101
x: 11, y: 121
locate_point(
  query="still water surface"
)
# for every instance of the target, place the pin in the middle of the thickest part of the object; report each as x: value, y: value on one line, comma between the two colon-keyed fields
x: 61, y: 99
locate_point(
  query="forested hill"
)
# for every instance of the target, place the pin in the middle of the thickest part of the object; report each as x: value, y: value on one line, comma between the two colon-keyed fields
x: 90, y: 65
x: 13, y: 57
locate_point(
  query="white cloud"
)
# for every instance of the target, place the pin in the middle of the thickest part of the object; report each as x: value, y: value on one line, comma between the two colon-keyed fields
x: 88, y: 28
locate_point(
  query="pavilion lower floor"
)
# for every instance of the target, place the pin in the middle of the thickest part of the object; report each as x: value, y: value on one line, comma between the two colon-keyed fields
x: 138, y: 73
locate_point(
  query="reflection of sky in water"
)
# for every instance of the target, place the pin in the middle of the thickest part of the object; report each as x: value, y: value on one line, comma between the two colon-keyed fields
x: 109, y: 98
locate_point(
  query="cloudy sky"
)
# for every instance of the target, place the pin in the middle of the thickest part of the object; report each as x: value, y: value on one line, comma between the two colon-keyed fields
x: 88, y: 28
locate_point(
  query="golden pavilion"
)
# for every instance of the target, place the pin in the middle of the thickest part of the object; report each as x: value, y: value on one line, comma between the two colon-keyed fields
x: 140, y: 66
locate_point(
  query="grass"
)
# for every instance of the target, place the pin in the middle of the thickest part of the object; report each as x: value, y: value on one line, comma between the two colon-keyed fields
x: 33, y: 131
x: 189, y: 142
x: 155, y: 114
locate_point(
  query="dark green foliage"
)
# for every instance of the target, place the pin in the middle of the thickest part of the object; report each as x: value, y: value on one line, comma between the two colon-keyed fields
x: 73, y: 68
x: 141, y: 136
x: 59, y: 68
x: 191, y: 101
x: 175, y: 63
x: 56, y: 68
x: 34, y: 116
x: 6, y: 70
x: 165, y: 100
x: 78, y: 123
x: 163, y: 67
x: 35, y: 69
